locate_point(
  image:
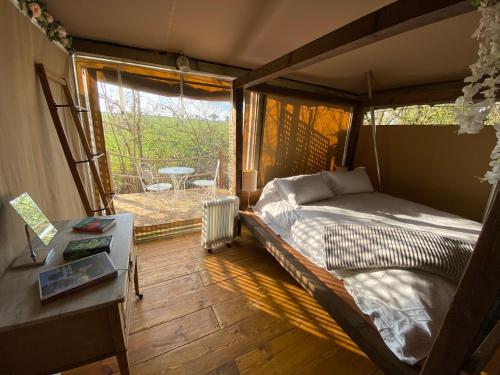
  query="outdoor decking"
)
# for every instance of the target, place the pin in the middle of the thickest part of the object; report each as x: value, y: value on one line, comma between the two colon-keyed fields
x: 154, y: 208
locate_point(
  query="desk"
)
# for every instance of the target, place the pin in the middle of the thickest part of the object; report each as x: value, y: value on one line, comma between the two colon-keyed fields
x: 87, y: 326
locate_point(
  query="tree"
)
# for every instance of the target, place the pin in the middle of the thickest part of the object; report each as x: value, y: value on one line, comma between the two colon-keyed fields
x: 157, y: 129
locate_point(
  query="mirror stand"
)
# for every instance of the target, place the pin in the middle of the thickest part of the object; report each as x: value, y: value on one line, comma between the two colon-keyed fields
x: 34, y: 258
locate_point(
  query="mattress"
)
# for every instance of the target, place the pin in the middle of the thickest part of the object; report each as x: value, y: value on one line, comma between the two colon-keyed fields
x: 406, y: 306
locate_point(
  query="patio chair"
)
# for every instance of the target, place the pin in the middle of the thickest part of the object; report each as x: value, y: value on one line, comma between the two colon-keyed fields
x: 148, y: 180
x: 210, y: 186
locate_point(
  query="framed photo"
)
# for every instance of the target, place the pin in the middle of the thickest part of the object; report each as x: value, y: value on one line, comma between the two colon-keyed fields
x: 74, y: 276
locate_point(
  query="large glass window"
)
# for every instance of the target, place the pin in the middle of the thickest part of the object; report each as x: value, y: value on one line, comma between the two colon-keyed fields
x: 166, y: 135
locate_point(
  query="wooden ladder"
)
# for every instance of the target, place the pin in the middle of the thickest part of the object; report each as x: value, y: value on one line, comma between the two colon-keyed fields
x: 106, y: 199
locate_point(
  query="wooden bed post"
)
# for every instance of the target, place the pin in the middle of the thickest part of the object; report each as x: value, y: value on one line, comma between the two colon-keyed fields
x: 238, y: 126
x: 352, y: 140
x: 476, y: 297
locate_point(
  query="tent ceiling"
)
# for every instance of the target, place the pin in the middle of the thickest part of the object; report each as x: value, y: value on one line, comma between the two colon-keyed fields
x: 250, y: 33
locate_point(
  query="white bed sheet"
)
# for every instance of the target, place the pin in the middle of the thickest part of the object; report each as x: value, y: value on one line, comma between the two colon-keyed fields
x: 406, y: 306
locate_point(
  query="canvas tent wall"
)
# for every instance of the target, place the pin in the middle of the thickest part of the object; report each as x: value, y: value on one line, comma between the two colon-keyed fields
x: 31, y: 158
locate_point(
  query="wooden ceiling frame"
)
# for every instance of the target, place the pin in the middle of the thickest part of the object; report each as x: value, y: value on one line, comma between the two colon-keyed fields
x: 476, y: 299
x: 434, y: 93
x: 318, y: 97
x: 393, y: 19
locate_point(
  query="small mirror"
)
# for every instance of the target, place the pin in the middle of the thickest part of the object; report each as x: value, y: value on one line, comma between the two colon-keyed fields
x: 34, y: 217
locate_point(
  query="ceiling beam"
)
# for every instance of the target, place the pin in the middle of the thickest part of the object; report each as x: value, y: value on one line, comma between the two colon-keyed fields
x: 391, y: 20
x: 168, y: 59
x: 346, y: 100
x: 433, y: 93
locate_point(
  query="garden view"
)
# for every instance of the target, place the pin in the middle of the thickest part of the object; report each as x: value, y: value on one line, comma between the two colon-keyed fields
x: 166, y: 153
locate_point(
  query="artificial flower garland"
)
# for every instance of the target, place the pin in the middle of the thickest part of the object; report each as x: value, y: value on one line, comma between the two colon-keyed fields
x: 483, y: 81
x: 37, y: 11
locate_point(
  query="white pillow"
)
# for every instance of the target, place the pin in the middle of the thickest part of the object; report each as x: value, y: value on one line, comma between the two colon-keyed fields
x: 270, y: 194
x: 350, y: 182
x: 302, y: 189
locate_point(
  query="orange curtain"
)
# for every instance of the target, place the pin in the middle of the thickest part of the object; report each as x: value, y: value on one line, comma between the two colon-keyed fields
x: 300, y: 137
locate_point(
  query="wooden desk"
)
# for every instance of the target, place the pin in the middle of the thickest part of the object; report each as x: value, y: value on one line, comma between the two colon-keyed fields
x: 89, y: 325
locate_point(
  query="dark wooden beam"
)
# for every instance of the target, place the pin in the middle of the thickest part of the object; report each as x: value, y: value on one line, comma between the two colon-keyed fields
x: 472, y: 305
x: 434, y: 93
x: 483, y: 354
x: 353, y: 135
x: 237, y: 118
x: 393, y: 19
x: 342, y: 99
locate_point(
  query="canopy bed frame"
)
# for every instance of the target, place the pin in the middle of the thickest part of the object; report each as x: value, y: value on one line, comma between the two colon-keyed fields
x: 468, y: 336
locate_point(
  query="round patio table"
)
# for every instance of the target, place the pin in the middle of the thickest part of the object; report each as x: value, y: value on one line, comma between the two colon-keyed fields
x: 178, y: 175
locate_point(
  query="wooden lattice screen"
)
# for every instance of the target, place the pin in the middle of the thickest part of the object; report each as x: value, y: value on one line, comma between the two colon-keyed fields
x: 299, y: 137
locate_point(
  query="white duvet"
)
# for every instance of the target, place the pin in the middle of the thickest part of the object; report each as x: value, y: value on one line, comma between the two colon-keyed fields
x: 406, y: 306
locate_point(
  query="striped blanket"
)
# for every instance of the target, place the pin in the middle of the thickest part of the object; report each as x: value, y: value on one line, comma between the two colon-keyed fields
x: 356, y: 246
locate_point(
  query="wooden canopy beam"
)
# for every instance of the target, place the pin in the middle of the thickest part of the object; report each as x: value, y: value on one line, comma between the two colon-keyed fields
x: 391, y: 20
x: 237, y: 118
x: 434, y: 93
x: 357, y: 118
x: 347, y: 99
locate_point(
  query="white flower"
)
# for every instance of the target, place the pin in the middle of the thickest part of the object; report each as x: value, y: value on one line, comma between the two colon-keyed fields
x: 48, y: 17
x: 62, y: 32
x: 64, y: 42
x: 35, y: 9
x: 483, y: 81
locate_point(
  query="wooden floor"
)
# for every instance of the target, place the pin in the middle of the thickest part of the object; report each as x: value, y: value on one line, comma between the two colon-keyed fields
x: 155, y: 208
x: 233, y: 312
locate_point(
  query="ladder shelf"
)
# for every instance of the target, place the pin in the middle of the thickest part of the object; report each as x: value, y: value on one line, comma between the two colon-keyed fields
x: 106, y: 198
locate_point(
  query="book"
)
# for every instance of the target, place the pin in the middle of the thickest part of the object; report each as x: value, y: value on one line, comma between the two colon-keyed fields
x: 77, y: 249
x: 73, y: 276
x: 94, y: 225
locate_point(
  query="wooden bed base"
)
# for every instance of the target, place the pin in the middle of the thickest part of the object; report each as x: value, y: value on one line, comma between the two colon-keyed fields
x: 330, y: 294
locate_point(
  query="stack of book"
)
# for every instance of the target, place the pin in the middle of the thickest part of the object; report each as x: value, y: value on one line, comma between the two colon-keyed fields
x: 77, y: 249
x: 94, y: 225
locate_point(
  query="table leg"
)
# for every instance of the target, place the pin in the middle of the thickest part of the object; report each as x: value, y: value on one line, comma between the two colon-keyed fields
x: 122, y: 359
x: 136, y: 281
x: 118, y: 333
x: 175, y: 184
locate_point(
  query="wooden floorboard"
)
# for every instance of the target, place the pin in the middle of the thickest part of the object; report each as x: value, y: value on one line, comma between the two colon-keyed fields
x: 233, y: 312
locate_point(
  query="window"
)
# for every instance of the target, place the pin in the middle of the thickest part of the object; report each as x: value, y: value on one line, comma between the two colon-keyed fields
x: 441, y: 114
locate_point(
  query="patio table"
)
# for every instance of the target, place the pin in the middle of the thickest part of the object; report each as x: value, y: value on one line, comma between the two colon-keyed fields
x: 178, y: 175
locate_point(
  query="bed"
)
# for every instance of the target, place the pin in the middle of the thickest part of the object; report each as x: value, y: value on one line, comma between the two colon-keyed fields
x: 401, y: 309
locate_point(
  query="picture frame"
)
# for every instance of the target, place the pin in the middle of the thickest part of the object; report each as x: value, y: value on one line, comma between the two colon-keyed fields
x: 73, y: 276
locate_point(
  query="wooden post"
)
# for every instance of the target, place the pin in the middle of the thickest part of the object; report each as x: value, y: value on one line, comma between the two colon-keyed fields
x: 472, y: 305
x: 352, y: 140
x: 221, y: 176
x: 238, y: 125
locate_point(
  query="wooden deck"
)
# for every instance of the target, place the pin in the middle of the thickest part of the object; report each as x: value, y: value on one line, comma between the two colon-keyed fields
x: 155, y: 208
x: 234, y: 312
